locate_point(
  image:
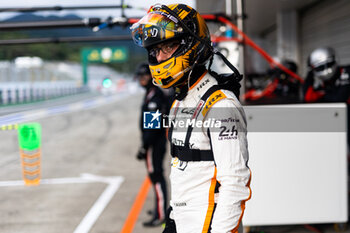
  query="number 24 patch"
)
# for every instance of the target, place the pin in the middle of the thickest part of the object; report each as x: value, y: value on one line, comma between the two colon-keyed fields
x: 228, y: 133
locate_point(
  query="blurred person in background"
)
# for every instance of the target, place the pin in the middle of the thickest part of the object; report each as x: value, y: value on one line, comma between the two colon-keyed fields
x: 288, y: 88
x: 153, y: 145
x: 281, y: 88
x: 209, y: 176
x: 326, y: 80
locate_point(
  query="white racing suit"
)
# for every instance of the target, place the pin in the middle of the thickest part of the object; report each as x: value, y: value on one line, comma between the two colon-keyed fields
x: 209, y: 176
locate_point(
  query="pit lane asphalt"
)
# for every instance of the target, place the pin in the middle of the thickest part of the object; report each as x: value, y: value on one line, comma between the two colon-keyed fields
x: 102, y: 141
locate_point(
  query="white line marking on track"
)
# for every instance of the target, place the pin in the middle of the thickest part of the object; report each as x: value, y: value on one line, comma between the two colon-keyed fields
x: 95, y: 211
x: 101, y: 203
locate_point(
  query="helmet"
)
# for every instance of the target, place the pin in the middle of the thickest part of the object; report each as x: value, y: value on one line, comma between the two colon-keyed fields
x: 323, y: 63
x: 143, y: 75
x: 175, y: 22
x: 142, y: 69
x: 284, y: 77
x: 290, y: 65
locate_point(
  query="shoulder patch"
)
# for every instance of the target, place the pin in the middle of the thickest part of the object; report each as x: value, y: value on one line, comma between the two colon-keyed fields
x: 213, y: 98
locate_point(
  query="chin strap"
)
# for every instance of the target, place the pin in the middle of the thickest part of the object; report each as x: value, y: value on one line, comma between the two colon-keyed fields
x: 190, y: 73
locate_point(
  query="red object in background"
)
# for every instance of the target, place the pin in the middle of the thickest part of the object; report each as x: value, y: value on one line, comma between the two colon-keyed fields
x: 312, y: 96
x: 251, y: 43
x: 267, y: 92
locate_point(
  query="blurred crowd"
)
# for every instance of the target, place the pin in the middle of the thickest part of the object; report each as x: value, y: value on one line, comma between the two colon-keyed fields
x: 326, y: 81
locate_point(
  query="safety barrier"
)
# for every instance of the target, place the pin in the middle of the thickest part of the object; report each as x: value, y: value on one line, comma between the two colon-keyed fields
x: 23, y: 82
x: 17, y: 93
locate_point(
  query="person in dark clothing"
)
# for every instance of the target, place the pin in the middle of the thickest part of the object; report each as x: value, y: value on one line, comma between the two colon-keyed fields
x: 287, y: 90
x: 153, y: 145
x: 281, y: 88
x: 326, y: 81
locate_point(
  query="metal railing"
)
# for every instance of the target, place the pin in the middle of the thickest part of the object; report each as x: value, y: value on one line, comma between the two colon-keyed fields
x: 29, y: 84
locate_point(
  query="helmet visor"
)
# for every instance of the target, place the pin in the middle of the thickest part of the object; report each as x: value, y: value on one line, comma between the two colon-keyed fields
x: 325, y: 66
x: 155, y: 27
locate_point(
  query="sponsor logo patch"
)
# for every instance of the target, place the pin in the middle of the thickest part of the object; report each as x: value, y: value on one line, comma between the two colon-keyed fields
x: 228, y: 133
x: 181, y: 165
x: 215, y: 97
x: 179, y: 204
x: 202, y: 84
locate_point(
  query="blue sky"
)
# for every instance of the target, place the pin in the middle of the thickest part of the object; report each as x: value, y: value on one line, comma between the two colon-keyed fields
x: 88, y: 13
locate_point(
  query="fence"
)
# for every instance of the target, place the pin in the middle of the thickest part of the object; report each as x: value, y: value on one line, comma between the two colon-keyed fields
x: 15, y: 93
x: 29, y: 84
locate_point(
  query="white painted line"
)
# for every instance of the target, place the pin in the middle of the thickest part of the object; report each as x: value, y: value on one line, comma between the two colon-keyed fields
x: 95, y: 211
x: 73, y: 180
x: 69, y: 180
x: 11, y: 183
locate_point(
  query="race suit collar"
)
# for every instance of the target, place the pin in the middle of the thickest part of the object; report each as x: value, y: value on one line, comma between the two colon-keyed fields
x: 198, y: 80
x: 199, y: 88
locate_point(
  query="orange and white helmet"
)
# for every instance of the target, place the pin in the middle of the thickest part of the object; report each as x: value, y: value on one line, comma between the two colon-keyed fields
x: 175, y: 22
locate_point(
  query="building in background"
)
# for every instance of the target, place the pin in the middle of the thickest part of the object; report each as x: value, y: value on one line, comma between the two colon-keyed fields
x: 290, y: 29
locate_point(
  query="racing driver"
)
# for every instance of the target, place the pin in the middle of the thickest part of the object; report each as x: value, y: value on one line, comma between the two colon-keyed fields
x: 210, y: 176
